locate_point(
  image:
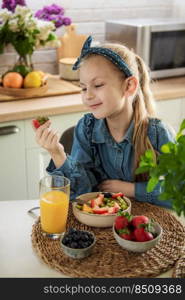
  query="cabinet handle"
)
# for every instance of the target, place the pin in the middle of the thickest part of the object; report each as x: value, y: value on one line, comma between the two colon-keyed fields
x: 5, y: 130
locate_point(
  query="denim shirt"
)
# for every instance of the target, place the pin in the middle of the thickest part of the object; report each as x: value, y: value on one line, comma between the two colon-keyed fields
x: 96, y: 156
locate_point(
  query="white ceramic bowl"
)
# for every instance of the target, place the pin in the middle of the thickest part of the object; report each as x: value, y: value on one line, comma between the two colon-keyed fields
x: 95, y: 220
x: 139, y: 246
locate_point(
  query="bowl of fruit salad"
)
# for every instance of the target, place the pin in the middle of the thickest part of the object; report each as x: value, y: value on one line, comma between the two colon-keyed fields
x: 78, y: 243
x: 136, y: 233
x: 99, y: 209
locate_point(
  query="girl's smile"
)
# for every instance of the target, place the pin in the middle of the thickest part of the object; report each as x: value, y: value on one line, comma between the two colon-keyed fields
x: 95, y: 106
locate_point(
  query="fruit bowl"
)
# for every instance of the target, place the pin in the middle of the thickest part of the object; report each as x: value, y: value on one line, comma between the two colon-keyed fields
x: 78, y: 243
x: 24, y: 92
x: 136, y: 246
x: 96, y: 219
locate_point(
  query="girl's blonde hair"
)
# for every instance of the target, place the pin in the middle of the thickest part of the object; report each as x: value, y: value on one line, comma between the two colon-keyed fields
x: 143, y: 103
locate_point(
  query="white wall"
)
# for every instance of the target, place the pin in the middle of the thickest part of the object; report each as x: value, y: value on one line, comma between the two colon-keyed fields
x: 179, y: 9
x: 90, y: 17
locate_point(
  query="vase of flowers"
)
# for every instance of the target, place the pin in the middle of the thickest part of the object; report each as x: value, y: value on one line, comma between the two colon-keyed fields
x: 27, y: 32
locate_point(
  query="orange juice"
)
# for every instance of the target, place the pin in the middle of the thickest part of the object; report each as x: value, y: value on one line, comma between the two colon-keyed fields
x: 53, y: 211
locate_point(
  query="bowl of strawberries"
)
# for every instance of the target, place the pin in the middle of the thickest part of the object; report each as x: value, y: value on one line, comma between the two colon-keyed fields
x: 99, y: 209
x: 136, y: 233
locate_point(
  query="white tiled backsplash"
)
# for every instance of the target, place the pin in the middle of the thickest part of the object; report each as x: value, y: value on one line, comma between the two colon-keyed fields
x: 89, y: 17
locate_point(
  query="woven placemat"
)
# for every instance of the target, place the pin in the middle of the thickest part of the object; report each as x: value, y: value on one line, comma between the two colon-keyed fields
x: 108, y: 259
x: 179, y: 269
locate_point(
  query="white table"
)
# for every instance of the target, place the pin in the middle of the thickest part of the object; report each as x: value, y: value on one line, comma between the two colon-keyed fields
x: 17, y: 258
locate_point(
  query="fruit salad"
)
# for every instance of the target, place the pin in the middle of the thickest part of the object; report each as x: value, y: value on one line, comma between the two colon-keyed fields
x: 104, y: 204
x: 134, y: 228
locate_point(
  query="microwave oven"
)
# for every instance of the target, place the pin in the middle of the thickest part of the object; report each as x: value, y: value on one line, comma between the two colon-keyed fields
x: 160, y: 42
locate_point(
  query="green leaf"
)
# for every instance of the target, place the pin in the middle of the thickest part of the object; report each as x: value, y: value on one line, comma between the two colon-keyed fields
x: 165, y: 148
x: 182, y: 127
x: 149, y: 154
x: 142, y: 169
x: 153, y: 181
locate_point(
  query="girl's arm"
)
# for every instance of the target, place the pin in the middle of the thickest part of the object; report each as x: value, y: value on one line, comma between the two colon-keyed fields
x: 115, y: 186
x: 80, y: 167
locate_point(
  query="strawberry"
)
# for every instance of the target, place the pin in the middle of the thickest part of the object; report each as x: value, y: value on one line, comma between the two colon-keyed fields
x: 39, y: 121
x: 117, y: 195
x: 36, y: 123
x: 142, y: 235
x: 138, y: 220
x: 93, y: 203
x: 121, y: 222
x: 97, y: 201
x: 126, y: 234
x: 100, y: 210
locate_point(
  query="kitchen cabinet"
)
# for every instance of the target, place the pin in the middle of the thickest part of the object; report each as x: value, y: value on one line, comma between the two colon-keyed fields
x: 171, y: 111
x: 13, y: 183
x: 22, y: 161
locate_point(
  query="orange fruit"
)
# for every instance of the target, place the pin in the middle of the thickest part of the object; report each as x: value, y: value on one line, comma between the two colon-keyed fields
x: 13, y: 80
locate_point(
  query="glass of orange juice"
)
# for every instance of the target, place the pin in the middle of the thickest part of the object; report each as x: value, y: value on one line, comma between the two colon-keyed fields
x: 54, y: 204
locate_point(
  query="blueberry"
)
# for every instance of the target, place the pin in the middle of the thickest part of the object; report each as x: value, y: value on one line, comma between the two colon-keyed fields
x: 107, y: 195
x: 85, y: 237
x: 76, y: 237
x: 72, y: 230
x: 74, y: 245
x: 86, y: 244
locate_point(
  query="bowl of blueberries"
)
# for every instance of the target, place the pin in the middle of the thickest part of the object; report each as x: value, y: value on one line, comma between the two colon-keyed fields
x: 77, y: 243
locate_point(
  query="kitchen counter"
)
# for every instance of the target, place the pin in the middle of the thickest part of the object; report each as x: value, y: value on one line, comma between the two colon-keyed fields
x: 17, y: 257
x: 164, y: 89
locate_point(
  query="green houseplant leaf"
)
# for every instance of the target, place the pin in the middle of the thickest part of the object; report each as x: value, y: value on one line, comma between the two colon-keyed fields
x: 169, y: 171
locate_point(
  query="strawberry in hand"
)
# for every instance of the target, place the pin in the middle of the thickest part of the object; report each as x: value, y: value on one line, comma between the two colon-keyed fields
x: 39, y: 121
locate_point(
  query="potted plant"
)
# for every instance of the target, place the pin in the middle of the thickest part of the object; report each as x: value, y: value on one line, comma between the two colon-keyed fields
x: 168, y: 171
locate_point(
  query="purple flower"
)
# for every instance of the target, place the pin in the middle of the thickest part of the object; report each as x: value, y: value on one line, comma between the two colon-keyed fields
x: 54, y: 10
x: 39, y: 14
x: 11, y: 4
x: 66, y: 21
x: 54, y: 13
x: 59, y: 22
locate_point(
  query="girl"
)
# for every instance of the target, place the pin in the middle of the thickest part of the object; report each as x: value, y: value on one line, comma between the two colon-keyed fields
x: 109, y: 141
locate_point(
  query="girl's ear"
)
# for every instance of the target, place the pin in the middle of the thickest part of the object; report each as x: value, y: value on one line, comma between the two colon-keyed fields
x: 130, y: 86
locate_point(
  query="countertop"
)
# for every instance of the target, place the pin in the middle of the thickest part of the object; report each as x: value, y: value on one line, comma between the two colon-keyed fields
x: 163, y: 89
x: 17, y: 257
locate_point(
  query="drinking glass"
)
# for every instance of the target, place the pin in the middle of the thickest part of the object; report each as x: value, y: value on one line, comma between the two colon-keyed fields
x: 54, y: 204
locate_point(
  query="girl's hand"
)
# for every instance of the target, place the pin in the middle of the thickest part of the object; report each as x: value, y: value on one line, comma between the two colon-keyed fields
x: 115, y: 186
x: 48, y: 139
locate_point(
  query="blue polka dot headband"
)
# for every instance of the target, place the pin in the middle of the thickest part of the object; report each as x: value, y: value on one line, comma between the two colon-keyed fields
x: 108, y: 53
